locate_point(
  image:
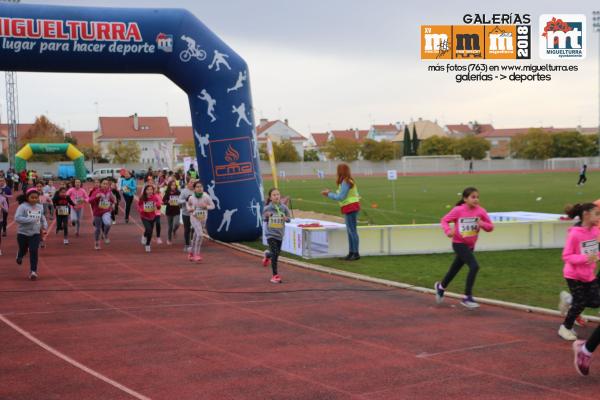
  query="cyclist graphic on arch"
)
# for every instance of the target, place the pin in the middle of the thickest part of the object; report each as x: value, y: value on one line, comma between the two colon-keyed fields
x: 193, y: 50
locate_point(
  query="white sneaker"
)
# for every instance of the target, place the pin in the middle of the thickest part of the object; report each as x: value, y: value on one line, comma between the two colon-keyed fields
x: 114, y: 222
x: 66, y: 241
x: 33, y: 276
x: 107, y: 241
x: 147, y: 249
x: 564, y: 303
x: 97, y: 246
x: 567, y: 334
x: 469, y: 303
x: 143, y: 241
x: 158, y: 241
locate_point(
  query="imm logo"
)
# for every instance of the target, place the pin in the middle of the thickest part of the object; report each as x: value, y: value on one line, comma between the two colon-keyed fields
x: 164, y: 42
x: 562, y: 36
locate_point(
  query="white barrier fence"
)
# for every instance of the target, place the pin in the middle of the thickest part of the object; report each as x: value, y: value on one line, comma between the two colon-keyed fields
x: 427, y: 239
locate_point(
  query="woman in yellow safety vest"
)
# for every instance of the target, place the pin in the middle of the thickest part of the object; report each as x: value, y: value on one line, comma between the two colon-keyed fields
x: 349, y: 200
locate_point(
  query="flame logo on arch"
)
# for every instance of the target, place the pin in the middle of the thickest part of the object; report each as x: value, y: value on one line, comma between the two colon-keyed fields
x: 231, y: 155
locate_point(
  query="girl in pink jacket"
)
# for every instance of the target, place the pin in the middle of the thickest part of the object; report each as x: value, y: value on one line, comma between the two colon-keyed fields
x: 468, y: 218
x: 79, y: 197
x: 580, y: 256
x: 148, y: 204
x: 198, y: 205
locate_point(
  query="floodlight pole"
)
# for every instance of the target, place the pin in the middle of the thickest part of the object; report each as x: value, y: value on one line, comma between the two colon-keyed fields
x: 596, y: 19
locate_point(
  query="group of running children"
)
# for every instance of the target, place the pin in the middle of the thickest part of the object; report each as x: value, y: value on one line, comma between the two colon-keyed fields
x: 462, y: 224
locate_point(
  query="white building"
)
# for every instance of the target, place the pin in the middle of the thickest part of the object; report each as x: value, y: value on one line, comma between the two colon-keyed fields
x: 279, y: 131
x: 153, y: 135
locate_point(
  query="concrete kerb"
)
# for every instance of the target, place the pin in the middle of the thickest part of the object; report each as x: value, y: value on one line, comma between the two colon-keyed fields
x: 400, y: 285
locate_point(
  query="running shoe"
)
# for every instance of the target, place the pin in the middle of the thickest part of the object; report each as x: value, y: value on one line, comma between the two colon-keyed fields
x: 169, y: 243
x: 197, y: 258
x: 469, y: 302
x: 276, y: 279
x: 564, y: 302
x: 158, y: 241
x: 580, y: 321
x: 266, y: 259
x: 439, y: 292
x: 190, y: 257
x: 582, y: 359
x: 567, y: 334
x: 97, y: 246
x: 107, y: 240
x: 143, y: 241
x: 33, y: 276
x: 148, y: 249
x: 66, y: 241
x: 19, y: 261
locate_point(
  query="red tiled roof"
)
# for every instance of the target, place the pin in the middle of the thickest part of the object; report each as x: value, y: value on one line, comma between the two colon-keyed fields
x: 122, y: 128
x: 21, y: 130
x: 511, y: 132
x: 183, y: 134
x: 463, y: 128
x: 320, y: 138
x: 261, y: 128
x: 385, y: 128
x: 351, y: 135
x: 84, y: 138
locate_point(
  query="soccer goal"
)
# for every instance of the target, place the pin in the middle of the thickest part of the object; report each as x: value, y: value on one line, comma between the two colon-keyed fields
x: 566, y: 163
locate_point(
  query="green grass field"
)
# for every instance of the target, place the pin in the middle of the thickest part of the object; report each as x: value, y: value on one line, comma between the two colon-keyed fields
x: 424, y: 199
x: 531, y: 277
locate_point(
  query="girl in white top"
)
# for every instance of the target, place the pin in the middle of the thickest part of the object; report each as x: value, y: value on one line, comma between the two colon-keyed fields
x: 198, y: 205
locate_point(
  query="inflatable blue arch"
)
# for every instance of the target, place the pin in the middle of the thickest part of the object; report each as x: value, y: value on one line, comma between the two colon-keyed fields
x: 172, y: 42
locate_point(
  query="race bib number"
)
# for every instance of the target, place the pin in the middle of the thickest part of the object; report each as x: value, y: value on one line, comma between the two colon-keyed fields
x: 104, y: 203
x: 174, y: 200
x: 126, y: 189
x: 149, y: 206
x: 62, y: 210
x: 35, y: 215
x: 200, y: 214
x: 589, y: 247
x: 78, y: 200
x: 276, y: 222
x: 468, y: 227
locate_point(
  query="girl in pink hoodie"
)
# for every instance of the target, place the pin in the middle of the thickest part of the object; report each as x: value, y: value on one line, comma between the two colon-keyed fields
x: 198, y: 205
x: 148, y: 204
x: 79, y: 197
x: 468, y: 218
x: 102, y: 202
x: 580, y: 256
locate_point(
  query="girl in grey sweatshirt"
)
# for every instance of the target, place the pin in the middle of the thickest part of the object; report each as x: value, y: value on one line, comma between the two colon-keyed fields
x: 31, y: 226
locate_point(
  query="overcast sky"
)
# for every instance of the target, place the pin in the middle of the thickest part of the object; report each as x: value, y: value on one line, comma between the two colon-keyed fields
x: 330, y: 64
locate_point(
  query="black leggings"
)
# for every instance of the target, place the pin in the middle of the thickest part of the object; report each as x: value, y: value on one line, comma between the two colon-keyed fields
x: 4, y: 223
x: 582, y: 179
x: 464, y: 255
x: 273, y: 254
x: 187, y: 229
x: 148, y: 228
x: 157, y: 223
x: 62, y: 222
x: 31, y: 243
x: 585, y: 294
x: 128, y: 200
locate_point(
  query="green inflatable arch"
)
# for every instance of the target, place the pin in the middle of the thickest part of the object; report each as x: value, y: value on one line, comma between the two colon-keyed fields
x: 51, y: 148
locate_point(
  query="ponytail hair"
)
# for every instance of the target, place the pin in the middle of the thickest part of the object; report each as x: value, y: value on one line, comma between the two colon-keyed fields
x: 578, y: 209
x: 466, y: 193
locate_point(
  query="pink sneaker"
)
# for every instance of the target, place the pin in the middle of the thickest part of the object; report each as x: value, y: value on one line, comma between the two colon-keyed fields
x: 582, y: 360
x: 197, y: 258
x: 158, y: 241
x: 266, y: 261
x: 276, y: 279
x: 191, y: 257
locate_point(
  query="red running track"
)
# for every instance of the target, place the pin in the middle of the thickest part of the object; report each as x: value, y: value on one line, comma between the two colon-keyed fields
x: 121, y: 324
